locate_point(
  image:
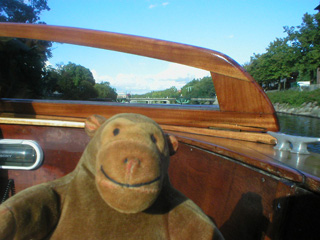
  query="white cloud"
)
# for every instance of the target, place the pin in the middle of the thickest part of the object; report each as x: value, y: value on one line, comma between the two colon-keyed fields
x: 164, y: 4
x: 152, y: 6
x: 175, y: 75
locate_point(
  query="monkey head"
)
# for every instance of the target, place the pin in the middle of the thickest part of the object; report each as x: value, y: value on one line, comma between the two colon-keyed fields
x: 131, y: 159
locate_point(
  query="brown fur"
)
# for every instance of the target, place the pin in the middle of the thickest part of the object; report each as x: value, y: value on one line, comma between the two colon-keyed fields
x: 119, y: 190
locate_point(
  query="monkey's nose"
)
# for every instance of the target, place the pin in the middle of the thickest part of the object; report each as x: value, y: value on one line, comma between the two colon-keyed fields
x: 132, y: 164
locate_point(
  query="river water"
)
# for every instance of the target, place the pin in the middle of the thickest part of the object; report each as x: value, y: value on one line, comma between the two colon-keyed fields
x: 301, y: 126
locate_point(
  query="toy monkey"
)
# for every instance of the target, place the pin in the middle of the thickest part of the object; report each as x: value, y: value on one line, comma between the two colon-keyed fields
x: 120, y: 189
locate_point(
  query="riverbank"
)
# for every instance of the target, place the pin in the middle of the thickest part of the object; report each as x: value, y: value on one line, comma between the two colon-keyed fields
x: 310, y: 109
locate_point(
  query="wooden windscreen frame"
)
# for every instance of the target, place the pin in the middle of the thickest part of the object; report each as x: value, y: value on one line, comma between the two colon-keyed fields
x: 243, y: 103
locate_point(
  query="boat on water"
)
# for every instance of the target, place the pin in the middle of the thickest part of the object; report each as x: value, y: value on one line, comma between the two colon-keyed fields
x: 227, y: 162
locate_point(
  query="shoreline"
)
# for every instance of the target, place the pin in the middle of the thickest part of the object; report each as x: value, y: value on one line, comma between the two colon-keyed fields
x: 310, y: 109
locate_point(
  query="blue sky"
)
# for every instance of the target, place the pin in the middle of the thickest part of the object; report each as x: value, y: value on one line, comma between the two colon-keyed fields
x: 236, y: 28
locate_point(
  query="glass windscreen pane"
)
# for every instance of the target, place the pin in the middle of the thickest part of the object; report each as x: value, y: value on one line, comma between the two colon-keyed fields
x: 34, y: 69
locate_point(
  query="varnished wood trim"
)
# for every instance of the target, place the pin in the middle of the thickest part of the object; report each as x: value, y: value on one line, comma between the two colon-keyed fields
x: 42, y: 117
x: 164, y: 50
x: 244, y: 153
x: 238, y: 96
x: 256, y: 122
x: 245, y: 136
x: 252, y: 137
x: 236, y: 90
x: 41, y: 122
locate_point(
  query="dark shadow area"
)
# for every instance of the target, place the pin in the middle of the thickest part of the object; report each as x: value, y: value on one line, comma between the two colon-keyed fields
x: 9, y: 190
x: 3, y: 183
x: 3, y: 177
x: 17, y: 107
x: 293, y: 217
x: 300, y: 218
x: 168, y: 199
x: 247, y: 220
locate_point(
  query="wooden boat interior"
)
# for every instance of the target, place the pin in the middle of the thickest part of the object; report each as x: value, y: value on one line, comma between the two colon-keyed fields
x: 226, y: 162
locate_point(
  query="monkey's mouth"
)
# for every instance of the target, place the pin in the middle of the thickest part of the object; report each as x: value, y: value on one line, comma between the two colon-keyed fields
x: 129, y: 185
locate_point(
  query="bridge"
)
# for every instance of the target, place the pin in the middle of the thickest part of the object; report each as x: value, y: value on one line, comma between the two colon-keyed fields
x: 166, y: 100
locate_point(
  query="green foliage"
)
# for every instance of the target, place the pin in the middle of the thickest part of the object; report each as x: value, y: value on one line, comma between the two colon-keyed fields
x: 277, y: 63
x: 22, y: 60
x: 22, y: 11
x: 74, y: 82
x: 167, y: 93
x: 49, y: 83
x: 297, y: 55
x: 295, y: 98
x: 21, y: 68
x: 105, y: 91
x: 199, y: 88
x: 306, y: 42
x: 196, y: 88
x: 76, y: 73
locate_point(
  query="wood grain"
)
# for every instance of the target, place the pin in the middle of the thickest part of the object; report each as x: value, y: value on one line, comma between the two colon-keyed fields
x: 63, y: 145
x: 259, y: 156
x: 62, y: 149
x: 236, y: 90
x: 239, y: 184
x: 239, y: 96
x: 79, y: 123
x: 170, y: 51
x: 238, y: 198
x: 255, y: 122
x: 41, y: 122
x: 244, y: 136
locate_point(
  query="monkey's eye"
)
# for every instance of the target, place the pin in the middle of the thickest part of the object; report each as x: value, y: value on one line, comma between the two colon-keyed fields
x: 153, y: 139
x: 116, y: 131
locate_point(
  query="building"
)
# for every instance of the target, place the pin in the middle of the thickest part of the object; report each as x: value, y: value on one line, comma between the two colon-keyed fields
x: 121, y: 95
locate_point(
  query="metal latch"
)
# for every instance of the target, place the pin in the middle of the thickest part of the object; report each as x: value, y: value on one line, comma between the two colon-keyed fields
x: 299, y: 144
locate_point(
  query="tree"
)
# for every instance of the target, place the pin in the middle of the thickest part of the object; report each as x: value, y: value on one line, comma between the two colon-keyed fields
x: 21, y: 68
x: 75, y: 82
x: 106, y: 91
x: 276, y: 64
x: 196, y: 88
x: 22, y: 60
x: 199, y: 88
x: 255, y: 68
x: 26, y: 11
x: 50, y: 82
x: 305, y: 40
x: 171, y: 92
x: 281, y: 59
x: 297, y: 55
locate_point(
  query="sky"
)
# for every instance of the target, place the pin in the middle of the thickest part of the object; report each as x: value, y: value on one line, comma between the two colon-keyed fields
x: 237, y: 28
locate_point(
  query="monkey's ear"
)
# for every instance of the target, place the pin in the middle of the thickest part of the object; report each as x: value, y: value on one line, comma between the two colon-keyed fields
x: 173, y: 144
x: 92, y: 124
